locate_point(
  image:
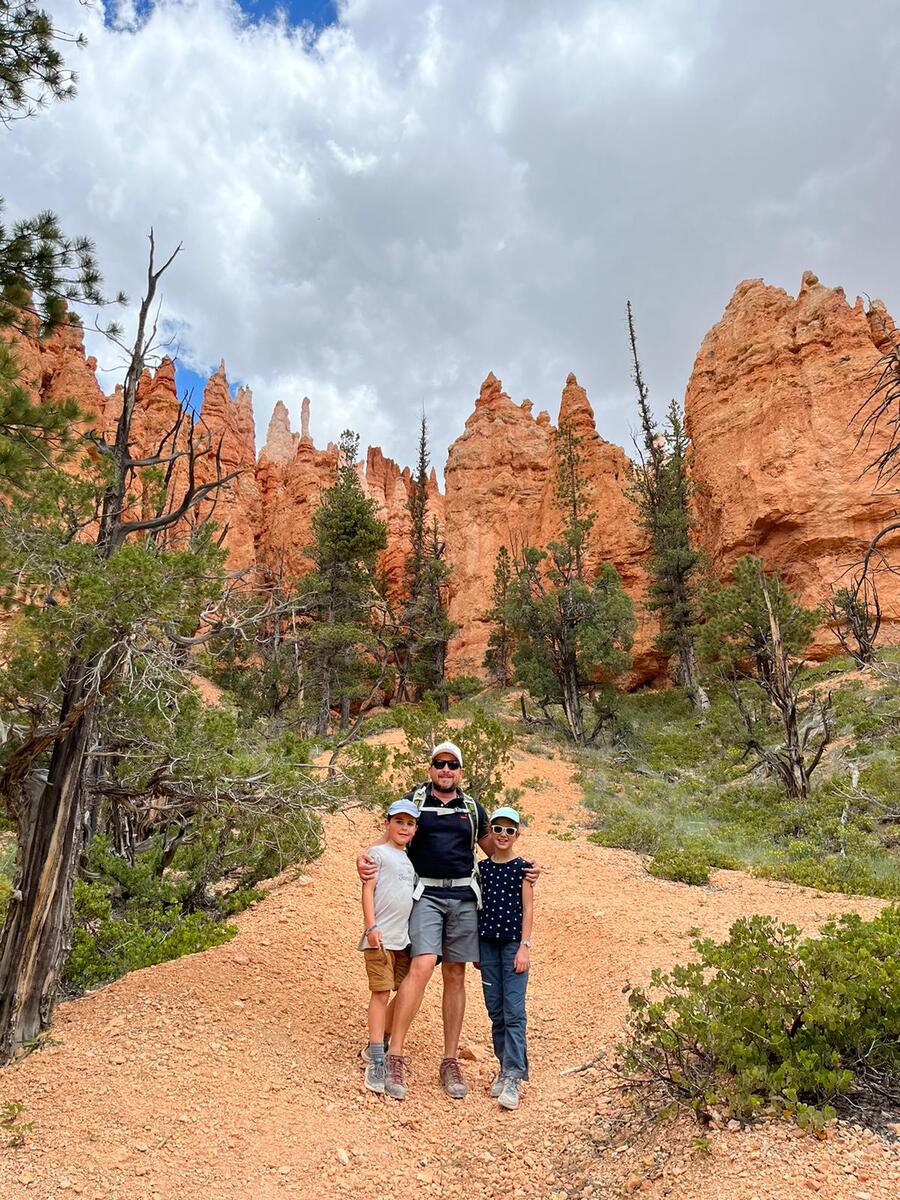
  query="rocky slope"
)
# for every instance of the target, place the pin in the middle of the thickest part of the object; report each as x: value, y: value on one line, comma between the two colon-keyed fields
x: 772, y: 408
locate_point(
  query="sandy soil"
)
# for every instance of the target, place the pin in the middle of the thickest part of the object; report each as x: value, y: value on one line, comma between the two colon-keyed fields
x: 234, y: 1073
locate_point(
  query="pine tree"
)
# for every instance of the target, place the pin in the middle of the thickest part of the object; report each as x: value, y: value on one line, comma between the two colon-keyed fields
x: 661, y: 491
x: 41, y: 270
x: 32, y: 71
x: 425, y: 627
x: 339, y: 594
x: 498, y: 656
x: 573, y: 634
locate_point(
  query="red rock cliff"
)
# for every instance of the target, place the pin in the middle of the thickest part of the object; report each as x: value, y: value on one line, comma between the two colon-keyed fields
x: 500, y: 477
x: 772, y: 408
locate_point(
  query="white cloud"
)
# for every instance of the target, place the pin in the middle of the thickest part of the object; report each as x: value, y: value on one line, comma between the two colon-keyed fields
x: 379, y: 214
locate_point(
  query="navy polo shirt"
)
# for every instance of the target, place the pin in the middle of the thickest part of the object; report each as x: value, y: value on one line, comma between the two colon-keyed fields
x: 442, y: 847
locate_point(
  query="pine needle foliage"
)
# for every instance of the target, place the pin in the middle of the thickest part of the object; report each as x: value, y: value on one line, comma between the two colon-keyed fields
x: 662, y: 491
x: 425, y: 626
x: 573, y: 632
x: 339, y: 594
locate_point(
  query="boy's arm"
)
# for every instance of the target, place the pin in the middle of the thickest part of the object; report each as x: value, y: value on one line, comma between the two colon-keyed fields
x: 523, y: 954
x: 373, y: 933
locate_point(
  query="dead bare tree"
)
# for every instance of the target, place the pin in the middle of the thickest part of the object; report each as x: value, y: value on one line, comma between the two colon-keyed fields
x: 49, y: 807
x: 805, y: 729
x: 854, y: 613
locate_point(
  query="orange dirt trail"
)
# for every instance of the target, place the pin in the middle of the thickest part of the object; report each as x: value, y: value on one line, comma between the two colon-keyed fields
x: 233, y: 1074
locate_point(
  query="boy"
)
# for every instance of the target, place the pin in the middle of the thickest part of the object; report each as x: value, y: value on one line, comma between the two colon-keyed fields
x: 504, y: 927
x: 387, y: 899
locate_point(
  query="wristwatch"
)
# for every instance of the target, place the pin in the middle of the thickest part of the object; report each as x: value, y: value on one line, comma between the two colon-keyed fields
x: 527, y: 942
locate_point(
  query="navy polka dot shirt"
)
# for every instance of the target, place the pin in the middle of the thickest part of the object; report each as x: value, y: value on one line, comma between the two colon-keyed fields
x: 501, y: 890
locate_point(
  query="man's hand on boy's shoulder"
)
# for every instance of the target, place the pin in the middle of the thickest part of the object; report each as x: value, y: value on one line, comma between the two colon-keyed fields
x: 366, y: 867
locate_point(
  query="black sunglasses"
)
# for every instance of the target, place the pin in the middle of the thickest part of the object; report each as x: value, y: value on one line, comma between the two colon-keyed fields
x: 438, y: 763
x: 504, y: 829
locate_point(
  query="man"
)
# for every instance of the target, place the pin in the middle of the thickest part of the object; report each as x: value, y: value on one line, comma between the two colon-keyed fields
x: 444, y: 918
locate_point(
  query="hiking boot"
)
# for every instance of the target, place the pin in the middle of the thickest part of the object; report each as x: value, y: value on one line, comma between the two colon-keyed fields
x: 452, y: 1079
x: 375, y: 1074
x: 497, y: 1086
x: 509, y: 1095
x: 395, y: 1065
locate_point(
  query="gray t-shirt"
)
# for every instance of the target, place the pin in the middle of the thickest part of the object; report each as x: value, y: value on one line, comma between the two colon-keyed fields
x: 394, y: 884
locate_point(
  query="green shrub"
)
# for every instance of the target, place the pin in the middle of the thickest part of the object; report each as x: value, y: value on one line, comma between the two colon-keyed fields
x: 770, y: 1018
x: 628, y: 829
x: 681, y: 866
x: 105, y: 946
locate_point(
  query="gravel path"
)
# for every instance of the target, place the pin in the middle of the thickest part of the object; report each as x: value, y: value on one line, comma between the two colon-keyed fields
x: 234, y: 1073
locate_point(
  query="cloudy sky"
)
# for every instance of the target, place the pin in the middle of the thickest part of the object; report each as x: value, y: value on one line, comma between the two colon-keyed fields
x: 383, y: 200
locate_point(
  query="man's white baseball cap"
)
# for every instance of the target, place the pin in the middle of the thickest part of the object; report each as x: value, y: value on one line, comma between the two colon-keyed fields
x: 448, y: 748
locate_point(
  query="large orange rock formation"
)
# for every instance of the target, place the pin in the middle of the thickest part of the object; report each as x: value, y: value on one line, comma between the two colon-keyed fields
x: 773, y: 410
x: 500, y: 479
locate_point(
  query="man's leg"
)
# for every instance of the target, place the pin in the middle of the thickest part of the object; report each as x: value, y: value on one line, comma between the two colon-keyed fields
x: 453, y: 1005
x: 409, y: 998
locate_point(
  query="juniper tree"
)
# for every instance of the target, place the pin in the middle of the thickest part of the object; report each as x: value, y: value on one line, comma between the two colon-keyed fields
x: 661, y: 491
x: 103, y: 587
x: 339, y: 648
x: 755, y: 633
x: 573, y: 633
x: 498, y: 656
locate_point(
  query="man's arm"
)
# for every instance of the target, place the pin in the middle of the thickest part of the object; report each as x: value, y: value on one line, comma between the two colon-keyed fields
x: 485, y: 837
x: 366, y: 867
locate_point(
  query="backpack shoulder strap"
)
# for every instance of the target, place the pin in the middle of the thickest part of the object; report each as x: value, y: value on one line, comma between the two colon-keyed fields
x: 472, y: 810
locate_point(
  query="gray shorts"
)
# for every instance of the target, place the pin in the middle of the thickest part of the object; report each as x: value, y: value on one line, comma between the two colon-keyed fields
x: 445, y: 927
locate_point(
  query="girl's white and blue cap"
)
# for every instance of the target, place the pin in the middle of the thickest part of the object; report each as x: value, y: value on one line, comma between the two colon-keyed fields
x: 402, y: 806
x: 509, y: 813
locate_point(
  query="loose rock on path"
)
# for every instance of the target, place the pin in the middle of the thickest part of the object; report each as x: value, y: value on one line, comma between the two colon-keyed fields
x: 234, y: 1074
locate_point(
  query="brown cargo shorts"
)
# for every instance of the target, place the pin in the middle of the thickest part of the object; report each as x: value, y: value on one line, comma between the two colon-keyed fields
x: 386, y: 969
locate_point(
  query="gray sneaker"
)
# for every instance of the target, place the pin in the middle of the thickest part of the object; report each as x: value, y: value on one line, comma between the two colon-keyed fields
x: 452, y: 1079
x: 509, y: 1095
x: 497, y: 1086
x: 375, y: 1075
x: 364, y: 1053
x: 394, y: 1086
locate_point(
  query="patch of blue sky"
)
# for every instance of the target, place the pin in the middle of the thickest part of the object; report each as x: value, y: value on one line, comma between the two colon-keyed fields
x: 317, y: 13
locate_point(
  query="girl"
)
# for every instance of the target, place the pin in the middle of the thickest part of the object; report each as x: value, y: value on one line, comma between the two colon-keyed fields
x: 504, y: 927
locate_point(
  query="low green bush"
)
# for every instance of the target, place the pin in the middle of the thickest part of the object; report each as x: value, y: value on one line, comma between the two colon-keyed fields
x: 105, y: 946
x: 768, y: 1018
x: 680, y: 866
x: 628, y: 829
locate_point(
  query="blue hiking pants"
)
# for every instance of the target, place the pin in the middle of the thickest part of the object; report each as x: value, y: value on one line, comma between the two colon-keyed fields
x: 504, y: 996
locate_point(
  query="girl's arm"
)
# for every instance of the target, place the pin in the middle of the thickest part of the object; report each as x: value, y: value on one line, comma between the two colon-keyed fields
x: 523, y: 954
x: 373, y: 936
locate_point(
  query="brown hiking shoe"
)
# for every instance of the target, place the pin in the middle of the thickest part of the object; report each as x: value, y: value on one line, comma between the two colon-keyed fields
x: 395, y: 1065
x: 452, y: 1079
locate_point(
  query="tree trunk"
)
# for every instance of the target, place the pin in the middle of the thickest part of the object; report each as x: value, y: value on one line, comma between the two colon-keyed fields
x: 571, y: 699
x: 687, y: 677
x: 38, y: 929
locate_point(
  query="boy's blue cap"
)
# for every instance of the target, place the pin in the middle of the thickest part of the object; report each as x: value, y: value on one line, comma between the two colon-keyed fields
x: 403, y: 806
x: 509, y: 813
